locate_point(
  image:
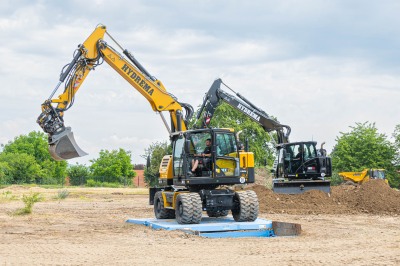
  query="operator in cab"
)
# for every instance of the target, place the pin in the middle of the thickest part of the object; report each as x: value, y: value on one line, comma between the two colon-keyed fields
x: 206, y: 154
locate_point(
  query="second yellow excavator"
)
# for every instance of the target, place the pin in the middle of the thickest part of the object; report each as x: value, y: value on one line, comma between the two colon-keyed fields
x: 205, y: 162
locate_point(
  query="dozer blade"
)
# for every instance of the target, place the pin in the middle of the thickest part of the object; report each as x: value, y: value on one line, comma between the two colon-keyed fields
x: 62, y: 146
x: 300, y: 186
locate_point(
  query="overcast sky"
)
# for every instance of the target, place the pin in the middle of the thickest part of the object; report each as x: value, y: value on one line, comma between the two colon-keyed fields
x: 318, y: 66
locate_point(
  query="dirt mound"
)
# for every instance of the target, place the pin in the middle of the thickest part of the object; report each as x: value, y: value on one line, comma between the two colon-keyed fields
x: 374, y: 197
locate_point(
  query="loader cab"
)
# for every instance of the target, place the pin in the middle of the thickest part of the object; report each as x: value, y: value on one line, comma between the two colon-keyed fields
x: 220, y: 167
x: 377, y: 174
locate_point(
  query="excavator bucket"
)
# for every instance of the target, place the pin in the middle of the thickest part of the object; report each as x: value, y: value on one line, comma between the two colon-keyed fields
x: 298, y: 187
x: 62, y: 146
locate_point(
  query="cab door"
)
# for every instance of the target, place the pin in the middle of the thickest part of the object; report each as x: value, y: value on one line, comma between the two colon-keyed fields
x: 178, y: 157
x: 227, y: 155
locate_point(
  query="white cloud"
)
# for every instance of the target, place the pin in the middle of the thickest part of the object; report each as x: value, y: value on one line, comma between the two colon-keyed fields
x: 317, y: 66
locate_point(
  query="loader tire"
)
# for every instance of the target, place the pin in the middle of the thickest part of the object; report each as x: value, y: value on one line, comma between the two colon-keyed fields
x: 219, y: 213
x: 188, y: 208
x: 350, y: 183
x: 159, y: 210
x: 245, y: 206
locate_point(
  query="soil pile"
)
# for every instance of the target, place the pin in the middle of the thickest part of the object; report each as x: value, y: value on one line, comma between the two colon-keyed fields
x: 374, y: 197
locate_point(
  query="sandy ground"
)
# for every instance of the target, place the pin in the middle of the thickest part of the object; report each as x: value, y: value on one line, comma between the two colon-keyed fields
x: 88, y: 228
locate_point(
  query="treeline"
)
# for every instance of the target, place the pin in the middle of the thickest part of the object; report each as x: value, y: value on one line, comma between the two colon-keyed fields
x: 364, y: 147
x: 359, y: 148
x: 26, y: 160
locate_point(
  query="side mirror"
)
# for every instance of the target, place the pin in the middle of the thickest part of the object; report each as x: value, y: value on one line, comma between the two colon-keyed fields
x: 246, y: 145
x: 187, y: 146
x: 273, y: 173
x: 148, y: 162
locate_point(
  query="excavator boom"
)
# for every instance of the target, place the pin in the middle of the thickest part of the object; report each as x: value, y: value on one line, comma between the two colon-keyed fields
x: 89, y: 55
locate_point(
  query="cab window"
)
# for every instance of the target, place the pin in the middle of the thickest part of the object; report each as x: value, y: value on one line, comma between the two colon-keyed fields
x: 226, y: 144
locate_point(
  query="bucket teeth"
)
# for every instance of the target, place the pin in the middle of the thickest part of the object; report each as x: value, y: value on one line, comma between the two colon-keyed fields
x: 62, y: 146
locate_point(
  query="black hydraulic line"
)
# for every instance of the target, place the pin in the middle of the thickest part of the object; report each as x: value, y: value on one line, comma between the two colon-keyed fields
x: 179, y: 121
x: 173, y: 129
x: 188, y: 112
x: 138, y: 65
x: 64, y: 74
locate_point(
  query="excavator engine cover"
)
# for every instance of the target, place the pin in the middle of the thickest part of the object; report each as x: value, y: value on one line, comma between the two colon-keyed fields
x: 62, y: 146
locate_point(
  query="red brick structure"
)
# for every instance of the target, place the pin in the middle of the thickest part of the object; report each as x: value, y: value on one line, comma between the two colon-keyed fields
x: 138, y: 180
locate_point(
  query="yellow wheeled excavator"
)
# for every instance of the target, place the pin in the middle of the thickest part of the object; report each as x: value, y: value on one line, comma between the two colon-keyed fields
x: 183, y: 192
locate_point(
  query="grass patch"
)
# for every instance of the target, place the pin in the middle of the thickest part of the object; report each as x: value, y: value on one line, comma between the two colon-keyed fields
x: 7, y: 196
x: 139, y: 191
x: 84, y: 198
x: 62, y: 194
x: 29, y: 201
x: 93, y: 183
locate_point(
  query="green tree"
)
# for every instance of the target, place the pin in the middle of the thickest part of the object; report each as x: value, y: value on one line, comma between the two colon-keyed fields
x: 260, y: 142
x: 155, y: 153
x: 113, y: 166
x: 5, y: 173
x: 21, y: 167
x: 78, y: 174
x: 363, y: 147
x: 396, y: 136
x: 35, y: 144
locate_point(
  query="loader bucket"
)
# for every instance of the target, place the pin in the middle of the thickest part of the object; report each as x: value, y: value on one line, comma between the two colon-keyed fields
x: 62, y: 146
x: 300, y: 186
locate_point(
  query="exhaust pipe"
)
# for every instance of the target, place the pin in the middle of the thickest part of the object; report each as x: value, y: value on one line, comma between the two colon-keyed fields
x: 62, y: 146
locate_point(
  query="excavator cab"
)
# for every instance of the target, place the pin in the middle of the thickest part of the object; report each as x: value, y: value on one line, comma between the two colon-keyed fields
x: 217, y: 163
x: 300, y: 167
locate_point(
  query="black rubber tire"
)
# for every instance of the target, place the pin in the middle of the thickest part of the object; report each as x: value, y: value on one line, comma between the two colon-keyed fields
x: 220, y: 213
x: 245, y: 207
x: 188, y: 208
x: 254, y: 206
x: 159, y: 211
x: 350, y: 183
